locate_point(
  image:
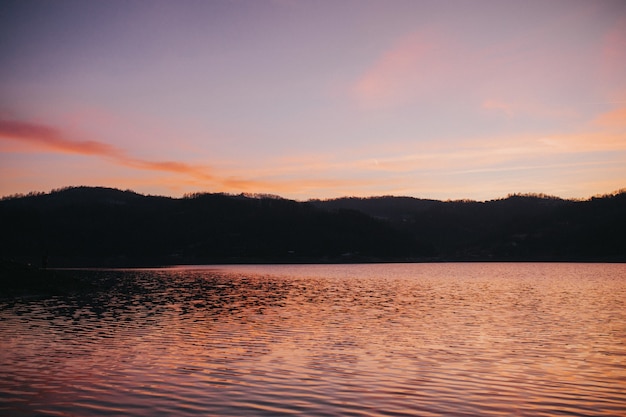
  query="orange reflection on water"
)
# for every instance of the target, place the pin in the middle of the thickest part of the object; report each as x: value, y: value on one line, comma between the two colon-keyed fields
x: 480, y: 339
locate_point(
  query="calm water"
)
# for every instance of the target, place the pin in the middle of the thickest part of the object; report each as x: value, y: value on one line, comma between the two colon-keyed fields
x: 361, y: 340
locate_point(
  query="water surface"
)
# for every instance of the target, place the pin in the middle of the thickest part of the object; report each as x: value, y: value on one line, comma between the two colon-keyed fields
x: 316, y: 340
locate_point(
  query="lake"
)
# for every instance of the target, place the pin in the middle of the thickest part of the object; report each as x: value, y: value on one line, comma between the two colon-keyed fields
x: 462, y: 339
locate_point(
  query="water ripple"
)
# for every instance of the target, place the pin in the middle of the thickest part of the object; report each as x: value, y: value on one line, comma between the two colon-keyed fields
x: 362, y: 340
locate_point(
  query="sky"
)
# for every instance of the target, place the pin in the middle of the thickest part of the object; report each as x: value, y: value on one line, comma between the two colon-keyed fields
x: 453, y: 99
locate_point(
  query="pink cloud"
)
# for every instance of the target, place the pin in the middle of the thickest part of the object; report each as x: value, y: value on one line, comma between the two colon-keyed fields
x: 499, y: 106
x: 614, y: 118
x: 538, y: 72
x: 614, y: 50
x: 415, y: 66
x: 50, y: 138
x: 38, y: 137
x: 42, y: 137
x: 612, y: 65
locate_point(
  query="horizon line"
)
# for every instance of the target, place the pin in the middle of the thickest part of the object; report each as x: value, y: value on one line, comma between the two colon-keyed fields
x: 276, y: 196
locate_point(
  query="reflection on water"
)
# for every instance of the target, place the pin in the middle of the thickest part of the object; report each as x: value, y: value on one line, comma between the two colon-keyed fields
x: 411, y: 339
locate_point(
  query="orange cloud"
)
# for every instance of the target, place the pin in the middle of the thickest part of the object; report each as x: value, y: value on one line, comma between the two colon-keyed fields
x: 51, y: 138
x: 42, y: 137
x: 46, y: 137
x: 614, y: 118
x: 497, y: 153
x: 168, y: 166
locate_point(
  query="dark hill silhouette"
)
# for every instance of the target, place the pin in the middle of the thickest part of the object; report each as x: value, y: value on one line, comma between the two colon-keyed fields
x: 94, y: 226
x: 100, y: 226
x: 387, y: 208
x: 519, y: 227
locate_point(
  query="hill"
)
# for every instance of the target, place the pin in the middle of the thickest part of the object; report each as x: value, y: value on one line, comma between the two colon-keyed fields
x: 519, y: 227
x: 94, y: 226
x: 106, y: 227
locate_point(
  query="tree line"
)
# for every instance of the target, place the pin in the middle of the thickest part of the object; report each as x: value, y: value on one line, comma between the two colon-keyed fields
x: 95, y: 226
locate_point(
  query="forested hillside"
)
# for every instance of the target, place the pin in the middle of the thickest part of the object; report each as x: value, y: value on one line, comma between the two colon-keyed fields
x: 519, y: 227
x: 99, y: 226
x: 86, y: 226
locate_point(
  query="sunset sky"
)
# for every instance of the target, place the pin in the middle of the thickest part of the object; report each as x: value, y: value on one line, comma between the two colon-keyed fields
x: 314, y: 99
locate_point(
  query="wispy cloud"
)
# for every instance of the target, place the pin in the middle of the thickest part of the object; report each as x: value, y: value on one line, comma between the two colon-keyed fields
x: 534, y: 71
x: 497, y: 105
x: 43, y: 137
x: 414, y: 66
x: 396, y: 167
x: 613, y: 63
x: 613, y: 118
x: 39, y: 137
x: 487, y: 153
